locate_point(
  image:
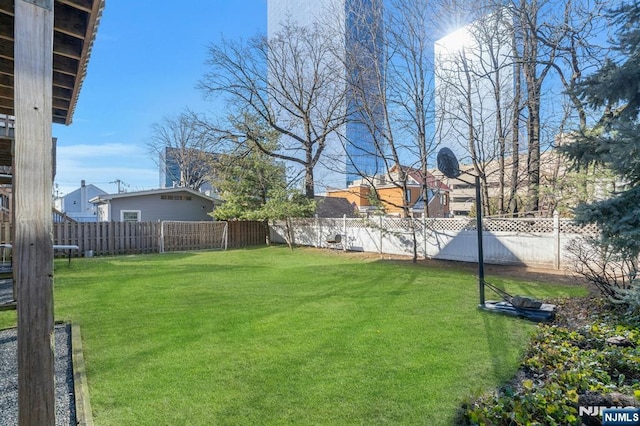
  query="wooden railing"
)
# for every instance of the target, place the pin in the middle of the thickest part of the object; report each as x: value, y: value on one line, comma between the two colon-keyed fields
x: 60, y: 217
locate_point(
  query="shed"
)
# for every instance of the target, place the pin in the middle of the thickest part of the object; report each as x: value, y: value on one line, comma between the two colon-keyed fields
x: 182, y: 204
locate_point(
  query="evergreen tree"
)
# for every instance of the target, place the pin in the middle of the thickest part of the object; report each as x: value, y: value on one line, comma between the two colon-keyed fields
x: 246, y: 176
x: 614, y: 141
x: 252, y: 183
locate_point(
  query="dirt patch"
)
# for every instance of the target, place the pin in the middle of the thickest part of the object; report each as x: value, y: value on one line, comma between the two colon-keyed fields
x: 513, y: 271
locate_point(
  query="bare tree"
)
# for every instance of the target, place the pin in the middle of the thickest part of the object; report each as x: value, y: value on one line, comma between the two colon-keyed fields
x: 182, y: 149
x: 292, y: 82
x: 578, y: 53
x: 475, y: 95
x: 553, y: 39
x: 514, y: 183
x: 411, y: 83
x: 387, y: 67
x: 551, y: 45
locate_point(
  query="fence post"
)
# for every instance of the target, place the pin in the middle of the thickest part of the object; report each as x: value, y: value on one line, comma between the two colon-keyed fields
x: 344, y: 232
x: 161, y: 241
x: 556, y: 236
x: 380, y: 232
x: 424, y: 236
x: 317, y: 224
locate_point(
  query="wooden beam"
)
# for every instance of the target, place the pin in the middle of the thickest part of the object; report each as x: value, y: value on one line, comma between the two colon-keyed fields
x: 6, y: 92
x: 92, y: 26
x: 65, y: 65
x: 6, y: 80
x: 6, y: 50
x: 6, y: 66
x: 4, y: 109
x: 61, y: 93
x: 61, y: 104
x: 85, y: 5
x: 6, y: 6
x: 66, y: 45
x: 33, y: 245
x: 6, y: 153
x: 6, y: 26
x: 70, y: 21
x: 64, y: 81
x: 60, y: 116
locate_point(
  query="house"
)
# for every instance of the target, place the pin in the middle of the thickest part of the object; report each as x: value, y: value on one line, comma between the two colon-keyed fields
x: 557, y: 185
x: 182, y: 204
x: 76, y: 204
x: 333, y: 207
x: 388, y: 190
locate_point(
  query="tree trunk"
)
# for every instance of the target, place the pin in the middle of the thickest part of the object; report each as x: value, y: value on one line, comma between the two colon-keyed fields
x: 515, y: 134
x: 530, y: 70
x: 309, y: 190
x: 533, y: 157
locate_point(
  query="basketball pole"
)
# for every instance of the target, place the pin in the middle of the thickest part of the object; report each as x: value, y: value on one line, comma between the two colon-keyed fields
x: 448, y: 165
x: 479, y: 233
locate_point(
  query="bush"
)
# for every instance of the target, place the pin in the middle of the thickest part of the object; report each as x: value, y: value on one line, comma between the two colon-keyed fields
x: 612, y: 272
x: 631, y: 297
x: 561, y: 370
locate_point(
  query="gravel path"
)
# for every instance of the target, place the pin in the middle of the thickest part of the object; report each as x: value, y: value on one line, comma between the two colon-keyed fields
x: 6, y: 291
x: 65, y: 401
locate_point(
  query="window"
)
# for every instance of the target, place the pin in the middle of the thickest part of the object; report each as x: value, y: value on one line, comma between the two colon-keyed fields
x: 175, y: 197
x: 130, y: 215
x: 462, y: 200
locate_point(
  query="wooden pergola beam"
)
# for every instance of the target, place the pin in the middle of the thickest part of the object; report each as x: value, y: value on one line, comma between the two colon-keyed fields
x: 33, y: 245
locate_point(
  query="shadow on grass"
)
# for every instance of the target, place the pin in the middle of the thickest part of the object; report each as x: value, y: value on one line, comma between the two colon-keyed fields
x: 502, y: 352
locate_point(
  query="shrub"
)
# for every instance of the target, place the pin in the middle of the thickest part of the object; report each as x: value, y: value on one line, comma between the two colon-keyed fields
x: 560, y: 369
x: 612, y: 272
x: 631, y: 297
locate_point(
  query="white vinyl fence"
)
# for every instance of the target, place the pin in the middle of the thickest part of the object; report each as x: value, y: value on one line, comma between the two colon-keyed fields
x: 538, y: 242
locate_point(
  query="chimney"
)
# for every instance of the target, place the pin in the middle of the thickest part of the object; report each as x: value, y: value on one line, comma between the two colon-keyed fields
x: 83, y: 196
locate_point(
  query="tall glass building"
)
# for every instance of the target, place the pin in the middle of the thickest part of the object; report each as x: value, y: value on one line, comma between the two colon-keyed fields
x: 474, y: 81
x: 350, y: 152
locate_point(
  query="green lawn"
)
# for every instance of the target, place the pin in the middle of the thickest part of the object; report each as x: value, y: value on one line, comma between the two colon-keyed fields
x: 271, y: 336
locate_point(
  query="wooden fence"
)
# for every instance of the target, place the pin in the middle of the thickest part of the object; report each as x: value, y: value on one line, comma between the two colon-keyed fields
x: 115, y: 238
x: 245, y: 234
x: 188, y: 236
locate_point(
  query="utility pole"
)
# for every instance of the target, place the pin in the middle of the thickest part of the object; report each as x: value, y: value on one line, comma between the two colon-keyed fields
x: 121, y: 185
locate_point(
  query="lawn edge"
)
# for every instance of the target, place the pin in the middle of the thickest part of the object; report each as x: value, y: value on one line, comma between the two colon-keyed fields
x: 84, y: 415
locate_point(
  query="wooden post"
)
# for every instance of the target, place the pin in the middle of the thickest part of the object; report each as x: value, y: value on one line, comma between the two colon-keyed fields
x: 556, y: 237
x: 344, y: 232
x: 33, y: 245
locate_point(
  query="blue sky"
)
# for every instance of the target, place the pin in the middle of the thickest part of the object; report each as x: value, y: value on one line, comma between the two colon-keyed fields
x: 146, y: 62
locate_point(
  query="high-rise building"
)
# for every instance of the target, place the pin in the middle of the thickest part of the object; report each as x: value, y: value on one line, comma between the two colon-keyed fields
x: 475, y: 87
x: 350, y: 152
x: 186, y: 167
